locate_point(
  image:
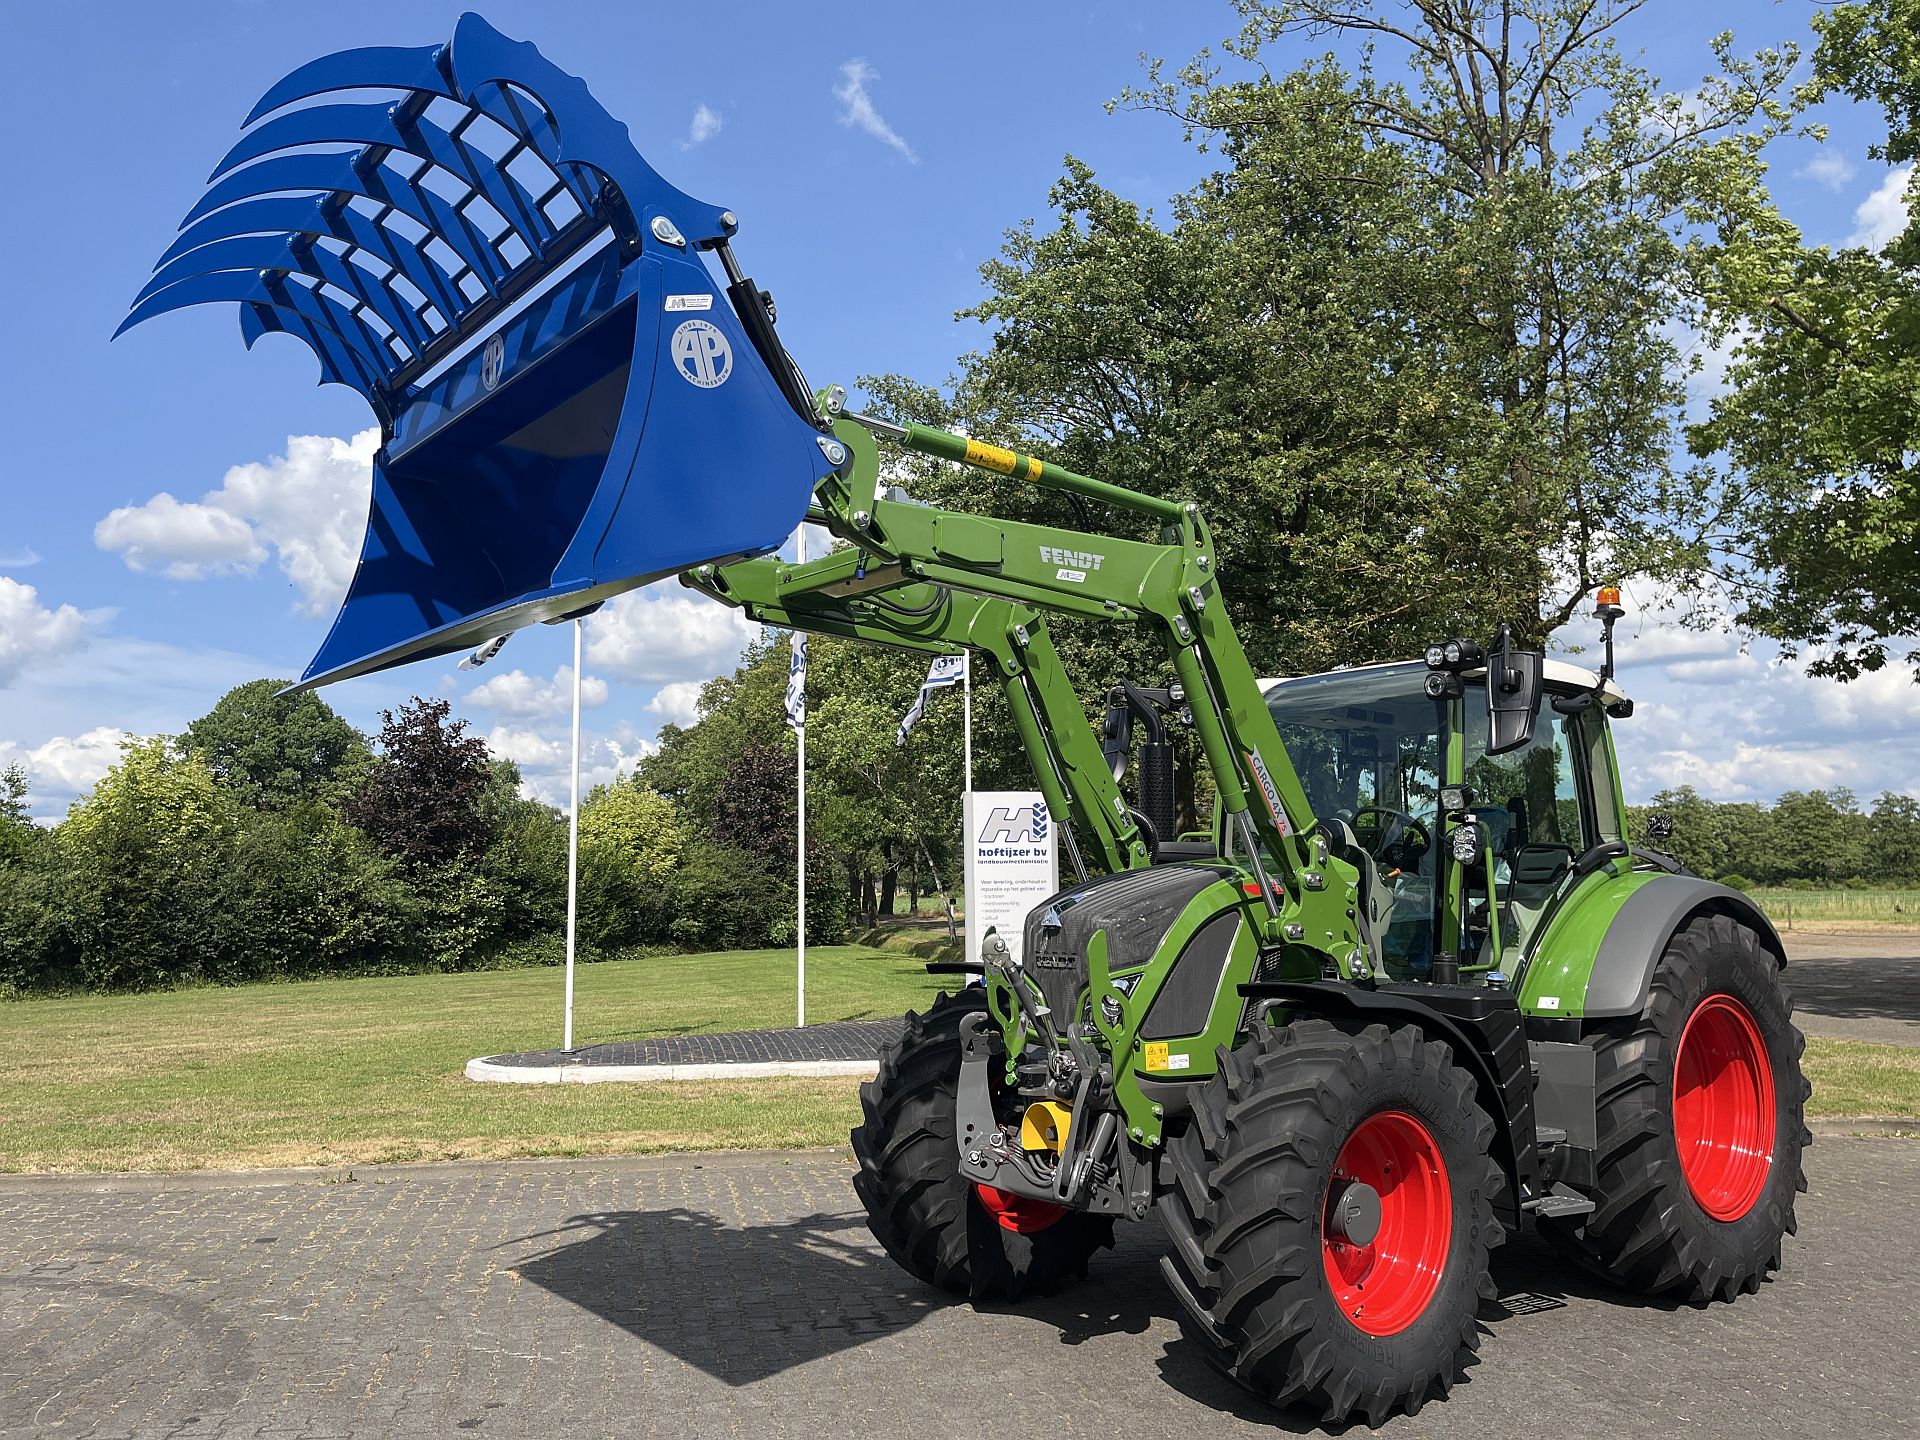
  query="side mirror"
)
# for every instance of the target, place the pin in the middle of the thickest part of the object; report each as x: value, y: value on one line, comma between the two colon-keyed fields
x: 1659, y: 827
x: 1513, y: 695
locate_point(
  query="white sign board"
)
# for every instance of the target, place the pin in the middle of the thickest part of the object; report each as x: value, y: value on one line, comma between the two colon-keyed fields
x: 1013, y: 863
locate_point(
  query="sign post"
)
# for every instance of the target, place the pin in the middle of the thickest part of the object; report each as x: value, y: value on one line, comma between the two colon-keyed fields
x: 1013, y: 863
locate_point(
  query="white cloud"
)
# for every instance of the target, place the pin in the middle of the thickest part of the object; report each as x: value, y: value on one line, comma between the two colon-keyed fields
x: 678, y: 703
x: 64, y: 766
x: 857, y: 107
x: 308, y: 505
x: 1884, y: 213
x: 29, y: 631
x: 545, y: 759
x: 19, y: 559
x: 187, y: 541
x: 1737, y: 722
x: 706, y: 124
x: 517, y: 693
x: 1829, y: 168
x: 527, y: 747
x: 1746, y: 772
x: 1714, y: 672
x: 664, y: 632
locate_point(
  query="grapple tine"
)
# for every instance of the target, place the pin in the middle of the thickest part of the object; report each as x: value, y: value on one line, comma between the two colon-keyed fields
x: 569, y: 406
x: 376, y: 67
x: 302, y: 215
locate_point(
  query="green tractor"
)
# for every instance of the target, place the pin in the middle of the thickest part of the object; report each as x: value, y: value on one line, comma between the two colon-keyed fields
x: 1414, y: 992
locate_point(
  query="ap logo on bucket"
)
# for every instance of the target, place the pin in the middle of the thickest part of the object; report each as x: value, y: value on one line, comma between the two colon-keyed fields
x: 701, y: 353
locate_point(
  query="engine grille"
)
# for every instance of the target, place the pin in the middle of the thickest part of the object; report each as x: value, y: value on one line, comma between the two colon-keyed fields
x: 1136, y: 908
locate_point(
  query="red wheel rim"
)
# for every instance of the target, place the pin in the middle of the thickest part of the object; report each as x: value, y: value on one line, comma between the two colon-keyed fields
x: 1723, y: 1120
x: 1018, y: 1213
x: 1385, y: 1285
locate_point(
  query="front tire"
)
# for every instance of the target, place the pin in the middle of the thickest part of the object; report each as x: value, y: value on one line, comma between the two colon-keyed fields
x: 964, y: 1238
x: 1701, y: 1124
x: 1292, y: 1295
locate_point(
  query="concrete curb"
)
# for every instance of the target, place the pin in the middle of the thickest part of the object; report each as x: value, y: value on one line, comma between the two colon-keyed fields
x: 117, y: 1182
x: 1850, y: 1126
x: 485, y: 1068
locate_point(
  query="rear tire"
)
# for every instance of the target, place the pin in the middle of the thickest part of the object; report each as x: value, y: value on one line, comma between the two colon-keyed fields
x: 1278, y: 1298
x: 934, y: 1224
x: 1701, y: 1124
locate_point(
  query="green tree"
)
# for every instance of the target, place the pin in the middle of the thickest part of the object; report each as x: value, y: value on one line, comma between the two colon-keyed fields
x: 1893, y: 839
x: 146, y: 851
x: 428, y: 799
x: 630, y: 846
x: 274, y: 751
x: 1821, y: 834
x: 1817, y: 523
x: 1416, y: 328
x: 304, y: 894
x: 34, y: 895
x: 16, y: 819
x: 1699, y: 840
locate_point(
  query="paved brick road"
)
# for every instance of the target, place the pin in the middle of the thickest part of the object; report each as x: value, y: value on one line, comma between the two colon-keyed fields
x: 741, y: 1296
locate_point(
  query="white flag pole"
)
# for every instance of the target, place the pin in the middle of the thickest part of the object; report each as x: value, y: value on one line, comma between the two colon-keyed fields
x: 573, y: 843
x: 800, y: 843
x: 966, y: 710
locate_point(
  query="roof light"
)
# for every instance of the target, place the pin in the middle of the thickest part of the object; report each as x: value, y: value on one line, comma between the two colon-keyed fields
x: 1608, y: 595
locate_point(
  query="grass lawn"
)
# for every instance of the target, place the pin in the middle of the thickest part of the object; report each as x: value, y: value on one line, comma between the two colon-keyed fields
x: 1841, y: 910
x: 359, y: 1071
x: 1852, y: 1077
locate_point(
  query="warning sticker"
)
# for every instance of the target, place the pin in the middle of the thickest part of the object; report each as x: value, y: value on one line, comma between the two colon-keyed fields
x: 990, y: 457
x: 1549, y: 1002
x: 689, y: 302
x: 1156, y: 1055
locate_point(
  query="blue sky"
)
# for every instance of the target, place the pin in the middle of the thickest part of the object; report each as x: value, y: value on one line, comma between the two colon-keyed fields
x: 875, y: 154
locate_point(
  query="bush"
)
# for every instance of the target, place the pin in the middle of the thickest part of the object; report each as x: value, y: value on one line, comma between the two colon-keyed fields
x: 630, y: 847
x: 36, y: 948
x: 463, y: 917
x: 306, y: 895
x: 147, y: 854
x: 826, y: 905
x: 723, y: 900
x: 1736, y: 882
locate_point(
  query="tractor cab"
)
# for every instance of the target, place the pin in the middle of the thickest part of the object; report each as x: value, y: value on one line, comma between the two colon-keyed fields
x: 1376, y: 750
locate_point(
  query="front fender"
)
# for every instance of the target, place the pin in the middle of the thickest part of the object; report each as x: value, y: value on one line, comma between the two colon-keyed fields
x: 1596, y: 960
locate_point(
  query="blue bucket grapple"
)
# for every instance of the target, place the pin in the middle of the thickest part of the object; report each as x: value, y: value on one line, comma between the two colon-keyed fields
x: 571, y: 405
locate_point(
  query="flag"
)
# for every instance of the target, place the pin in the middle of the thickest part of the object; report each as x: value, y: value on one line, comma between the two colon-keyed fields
x: 797, y: 684
x: 485, y: 653
x: 946, y: 670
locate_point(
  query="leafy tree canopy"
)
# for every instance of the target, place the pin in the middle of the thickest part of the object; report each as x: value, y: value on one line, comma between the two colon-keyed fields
x: 273, y: 751
x: 1815, y: 528
x: 428, y: 798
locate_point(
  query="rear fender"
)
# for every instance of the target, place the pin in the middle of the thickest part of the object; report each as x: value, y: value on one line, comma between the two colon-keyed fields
x: 1596, y: 961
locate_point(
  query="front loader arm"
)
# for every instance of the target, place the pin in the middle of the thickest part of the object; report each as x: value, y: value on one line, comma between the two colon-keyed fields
x: 1169, y: 585
x: 833, y: 596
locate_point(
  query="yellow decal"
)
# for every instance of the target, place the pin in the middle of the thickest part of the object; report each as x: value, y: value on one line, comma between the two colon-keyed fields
x: 990, y: 457
x: 1034, y: 468
x: 1156, y: 1053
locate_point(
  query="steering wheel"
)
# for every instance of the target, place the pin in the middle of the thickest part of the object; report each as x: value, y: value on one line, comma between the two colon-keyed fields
x: 1403, y: 839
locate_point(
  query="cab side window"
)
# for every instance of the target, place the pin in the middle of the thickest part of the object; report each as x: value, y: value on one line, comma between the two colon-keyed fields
x: 1529, y: 799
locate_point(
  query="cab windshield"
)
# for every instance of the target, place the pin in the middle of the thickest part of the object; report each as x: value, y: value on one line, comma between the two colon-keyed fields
x: 1366, y: 745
